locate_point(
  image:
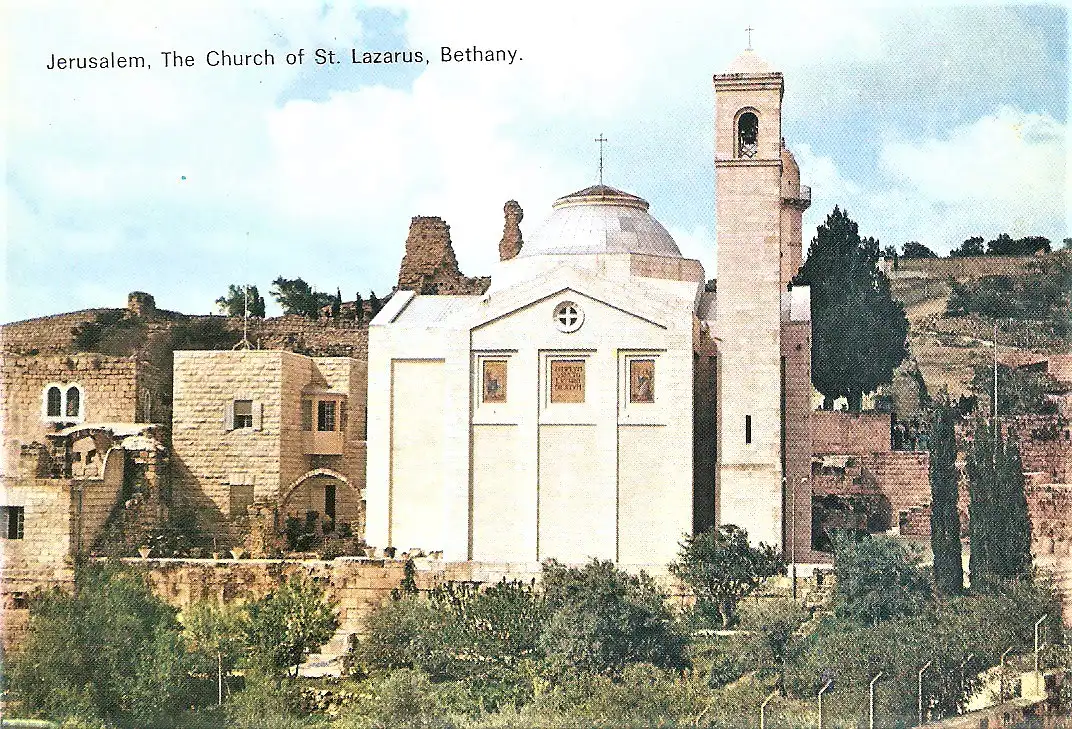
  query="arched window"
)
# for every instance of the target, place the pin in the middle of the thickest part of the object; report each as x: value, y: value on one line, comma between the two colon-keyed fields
x: 52, y: 405
x: 63, y: 402
x: 74, y: 402
x: 747, y: 134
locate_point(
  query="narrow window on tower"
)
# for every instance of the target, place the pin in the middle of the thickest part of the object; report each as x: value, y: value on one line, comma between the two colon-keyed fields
x: 747, y: 429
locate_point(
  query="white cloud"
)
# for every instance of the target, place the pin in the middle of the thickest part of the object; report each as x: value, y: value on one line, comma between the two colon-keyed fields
x: 325, y: 189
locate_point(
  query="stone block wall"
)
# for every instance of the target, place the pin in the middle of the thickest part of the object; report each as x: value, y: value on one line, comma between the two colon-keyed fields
x: 903, y: 477
x: 212, y: 463
x: 1045, y: 443
x: 311, y: 337
x: 796, y: 354
x: 207, y: 458
x: 835, y: 431
x: 110, y: 388
x: 962, y: 268
x: 47, y: 334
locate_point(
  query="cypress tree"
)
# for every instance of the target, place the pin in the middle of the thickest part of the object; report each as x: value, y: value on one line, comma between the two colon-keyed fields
x: 945, y: 520
x: 1000, y: 525
x: 359, y: 308
x: 336, y: 304
x: 1012, y: 554
x: 374, y: 304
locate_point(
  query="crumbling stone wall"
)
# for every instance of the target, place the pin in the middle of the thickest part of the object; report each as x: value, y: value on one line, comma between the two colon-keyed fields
x: 321, y: 337
x: 47, y: 334
x: 1045, y: 443
x: 429, y: 265
x: 511, y: 242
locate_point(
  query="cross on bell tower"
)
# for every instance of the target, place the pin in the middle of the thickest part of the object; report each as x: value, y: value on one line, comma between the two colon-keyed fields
x: 749, y: 30
x: 601, y: 139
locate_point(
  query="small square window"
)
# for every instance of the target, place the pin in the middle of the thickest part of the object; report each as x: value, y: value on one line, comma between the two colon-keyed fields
x: 641, y: 380
x: 307, y: 415
x: 325, y: 416
x: 494, y: 378
x: 14, y: 522
x: 20, y: 601
x: 567, y: 381
x: 243, y: 414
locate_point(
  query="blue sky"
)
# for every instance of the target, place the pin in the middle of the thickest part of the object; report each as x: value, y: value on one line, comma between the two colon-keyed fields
x: 927, y: 122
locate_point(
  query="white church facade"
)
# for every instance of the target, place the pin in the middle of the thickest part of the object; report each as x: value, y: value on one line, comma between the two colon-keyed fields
x: 599, y: 400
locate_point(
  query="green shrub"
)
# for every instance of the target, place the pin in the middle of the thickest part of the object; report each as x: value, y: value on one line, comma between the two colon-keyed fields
x: 600, y: 619
x: 402, y: 698
x: 111, y: 650
x: 284, y: 626
x: 268, y: 702
x: 877, y: 579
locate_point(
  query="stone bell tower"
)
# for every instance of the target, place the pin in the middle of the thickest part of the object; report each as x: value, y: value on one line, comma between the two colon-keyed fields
x: 748, y: 171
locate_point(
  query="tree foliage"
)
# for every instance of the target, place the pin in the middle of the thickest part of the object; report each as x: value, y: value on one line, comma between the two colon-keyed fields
x: 877, y: 579
x: 858, y: 330
x: 111, y: 650
x: 234, y: 303
x: 1000, y: 527
x: 722, y: 568
x: 483, y: 638
x: 298, y: 297
x: 915, y: 249
x: 944, y: 632
x: 945, y: 518
x: 1006, y: 245
x: 974, y: 246
x: 285, y: 625
x: 600, y: 619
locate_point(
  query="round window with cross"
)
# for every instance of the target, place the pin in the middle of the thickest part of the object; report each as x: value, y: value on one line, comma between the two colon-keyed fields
x: 568, y: 317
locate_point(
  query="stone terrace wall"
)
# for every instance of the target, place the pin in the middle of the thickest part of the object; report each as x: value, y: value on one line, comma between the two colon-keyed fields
x: 358, y: 584
x: 835, y: 431
x: 962, y: 268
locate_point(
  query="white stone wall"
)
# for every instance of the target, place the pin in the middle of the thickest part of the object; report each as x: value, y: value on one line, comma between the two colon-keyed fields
x: 589, y: 471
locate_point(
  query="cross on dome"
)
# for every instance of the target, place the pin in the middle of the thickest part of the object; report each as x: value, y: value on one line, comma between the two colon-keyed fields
x: 601, y: 139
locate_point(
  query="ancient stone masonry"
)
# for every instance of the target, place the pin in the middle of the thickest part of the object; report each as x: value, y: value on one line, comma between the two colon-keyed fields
x: 511, y: 242
x: 429, y: 265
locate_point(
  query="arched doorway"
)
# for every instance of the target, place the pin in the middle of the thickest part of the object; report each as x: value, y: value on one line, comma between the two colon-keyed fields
x: 326, y: 499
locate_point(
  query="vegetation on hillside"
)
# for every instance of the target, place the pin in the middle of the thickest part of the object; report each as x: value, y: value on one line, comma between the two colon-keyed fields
x: 1043, y: 293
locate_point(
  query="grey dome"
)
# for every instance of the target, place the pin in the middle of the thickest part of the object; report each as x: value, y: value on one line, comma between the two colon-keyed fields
x: 600, y: 219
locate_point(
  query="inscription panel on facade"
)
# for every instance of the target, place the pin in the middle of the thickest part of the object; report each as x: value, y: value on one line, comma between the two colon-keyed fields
x: 567, y: 380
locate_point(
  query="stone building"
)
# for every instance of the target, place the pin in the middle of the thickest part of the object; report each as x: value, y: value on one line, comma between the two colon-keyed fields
x: 598, y: 400
x: 268, y: 433
x: 78, y: 440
